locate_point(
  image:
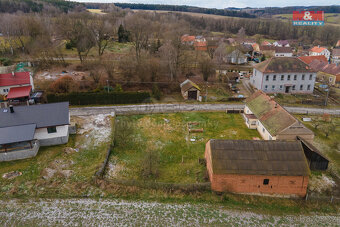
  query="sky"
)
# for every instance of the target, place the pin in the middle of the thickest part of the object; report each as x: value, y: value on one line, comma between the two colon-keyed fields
x: 220, y: 4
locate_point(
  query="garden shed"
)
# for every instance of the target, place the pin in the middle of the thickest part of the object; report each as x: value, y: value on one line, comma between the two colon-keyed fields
x: 190, y: 90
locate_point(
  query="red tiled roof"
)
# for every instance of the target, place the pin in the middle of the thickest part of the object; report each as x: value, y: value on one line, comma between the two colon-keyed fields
x: 200, y: 44
x: 317, y: 49
x: 265, y: 43
x: 18, y: 92
x: 19, y: 78
x: 309, y: 59
x: 188, y: 38
x: 321, y: 66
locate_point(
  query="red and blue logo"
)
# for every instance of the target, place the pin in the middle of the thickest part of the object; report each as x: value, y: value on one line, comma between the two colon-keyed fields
x: 308, y: 18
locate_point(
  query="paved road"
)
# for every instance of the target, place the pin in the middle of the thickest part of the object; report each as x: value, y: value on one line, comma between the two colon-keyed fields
x: 173, y: 108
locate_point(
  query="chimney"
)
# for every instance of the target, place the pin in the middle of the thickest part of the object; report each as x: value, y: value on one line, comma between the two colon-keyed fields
x: 12, y: 73
x: 11, y: 109
x: 275, y: 105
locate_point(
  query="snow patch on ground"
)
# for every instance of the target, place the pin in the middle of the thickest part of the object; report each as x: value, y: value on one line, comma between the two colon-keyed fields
x: 90, y: 212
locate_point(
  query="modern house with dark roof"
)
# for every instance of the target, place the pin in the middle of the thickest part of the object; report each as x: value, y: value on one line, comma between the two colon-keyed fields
x: 277, y: 168
x: 190, y: 90
x: 23, y: 129
x: 287, y: 75
x: 272, y: 121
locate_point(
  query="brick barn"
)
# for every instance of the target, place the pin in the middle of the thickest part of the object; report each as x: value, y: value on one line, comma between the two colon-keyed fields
x: 257, y: 167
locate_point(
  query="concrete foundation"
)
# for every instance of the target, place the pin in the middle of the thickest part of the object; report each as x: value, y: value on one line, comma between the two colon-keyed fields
x: 20, y: 154
x: 54, y: 141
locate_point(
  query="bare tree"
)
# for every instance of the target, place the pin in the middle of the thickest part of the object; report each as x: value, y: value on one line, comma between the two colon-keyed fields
x: 207, y: 68
x: 102, y: 31
x: 139, y: 29
x: 169, y: 56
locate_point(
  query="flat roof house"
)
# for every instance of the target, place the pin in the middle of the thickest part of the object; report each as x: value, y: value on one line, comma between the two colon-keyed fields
x: 272, y: 121
x: 288, y: 75
x: 257, y: 167
x: 23, y: 129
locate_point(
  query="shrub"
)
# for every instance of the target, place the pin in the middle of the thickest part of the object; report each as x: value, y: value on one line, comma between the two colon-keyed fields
x: 156, y: 93
x: 89, y: 98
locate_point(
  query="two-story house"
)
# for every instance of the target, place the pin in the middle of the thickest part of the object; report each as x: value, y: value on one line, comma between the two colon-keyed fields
x: 317, y: 50
x: 283, y: 75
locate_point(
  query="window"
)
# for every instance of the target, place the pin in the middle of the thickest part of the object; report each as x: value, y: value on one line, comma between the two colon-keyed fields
x: 266, y: 87
x: 301, y: 87
x: 293, y: 88
x: 295, y: 77
x: 263, y: 130
x: 288, y: 77
x: 274, y: 77
x: 303, y: 77
x: 281, y: 87
x: 282, y: 77
x: 5, y: 90
x: 273, y: 87
x: 310, y: 76
x: 52, y: 129
x: 267, y: 77
x: 308, y: 87
x: 265, y: 181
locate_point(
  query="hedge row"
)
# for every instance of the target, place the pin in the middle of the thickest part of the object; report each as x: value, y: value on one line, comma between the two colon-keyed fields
x: 89, y: 98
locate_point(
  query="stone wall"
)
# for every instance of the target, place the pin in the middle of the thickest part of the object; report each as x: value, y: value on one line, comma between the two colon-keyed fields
x: 21, y: 154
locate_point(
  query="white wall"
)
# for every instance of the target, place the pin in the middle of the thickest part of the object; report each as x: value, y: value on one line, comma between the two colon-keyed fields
x: 264, y: 133
x: 258, y: 80
x: 325, y: 52
x: 41, y: 133
x: 283, y: 54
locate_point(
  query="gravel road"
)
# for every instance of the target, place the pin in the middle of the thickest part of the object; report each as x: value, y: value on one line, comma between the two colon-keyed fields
x: 173, y: 108
x: 89, y: 212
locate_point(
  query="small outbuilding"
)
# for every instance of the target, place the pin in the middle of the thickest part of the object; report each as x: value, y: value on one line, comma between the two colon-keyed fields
x: 190, y: 90
x: 257, y: 167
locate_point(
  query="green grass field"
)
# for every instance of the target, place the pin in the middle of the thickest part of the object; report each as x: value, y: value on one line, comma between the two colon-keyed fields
x: 166, y: 137
x: 80, y: 164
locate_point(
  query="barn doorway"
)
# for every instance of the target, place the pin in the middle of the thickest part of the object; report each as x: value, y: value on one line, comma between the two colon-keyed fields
x: 192, y: 95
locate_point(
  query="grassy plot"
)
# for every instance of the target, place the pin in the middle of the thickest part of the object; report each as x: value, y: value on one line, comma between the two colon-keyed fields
x: 329, y: 144
x: 57, y: 171
x: 159, y: 146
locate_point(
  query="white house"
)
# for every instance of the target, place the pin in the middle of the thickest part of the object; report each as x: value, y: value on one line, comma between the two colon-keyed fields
x: 281, y: 43
x: 317, y: 50
x: 272, y: 121
x: 236, y: 57
x: 25, y: 128
x: 15, y: 79
x: 283, y: 75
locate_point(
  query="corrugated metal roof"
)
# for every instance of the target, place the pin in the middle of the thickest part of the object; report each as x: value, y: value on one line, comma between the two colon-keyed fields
x: 18, y: 133
x: 43, y: 115
x: 255, y: 157
x: 18, y: 92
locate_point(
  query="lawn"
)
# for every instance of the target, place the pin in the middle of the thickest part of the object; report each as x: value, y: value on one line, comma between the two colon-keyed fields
x: 330, y: 145
x: 163, y: 142
x: 57, y: 171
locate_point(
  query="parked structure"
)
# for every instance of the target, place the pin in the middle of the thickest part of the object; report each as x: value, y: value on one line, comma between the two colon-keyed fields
x: 13, y: 80
x: 236, y: 57
x: 272, y: 121
x: 190, y: 90
x: 317, y: 50
x: 257, y: 167
x: 316, y: 160
x: 283, y: 75
x: 24, y: 129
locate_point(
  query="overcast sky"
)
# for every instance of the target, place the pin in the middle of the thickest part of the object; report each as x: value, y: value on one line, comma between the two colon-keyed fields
x: 228, y: 3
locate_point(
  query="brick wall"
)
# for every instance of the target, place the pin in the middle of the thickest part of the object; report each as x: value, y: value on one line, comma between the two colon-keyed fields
x: 254, y: 184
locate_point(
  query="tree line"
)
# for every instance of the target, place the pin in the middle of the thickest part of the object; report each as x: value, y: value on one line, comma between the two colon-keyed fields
x: 184, y: 8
